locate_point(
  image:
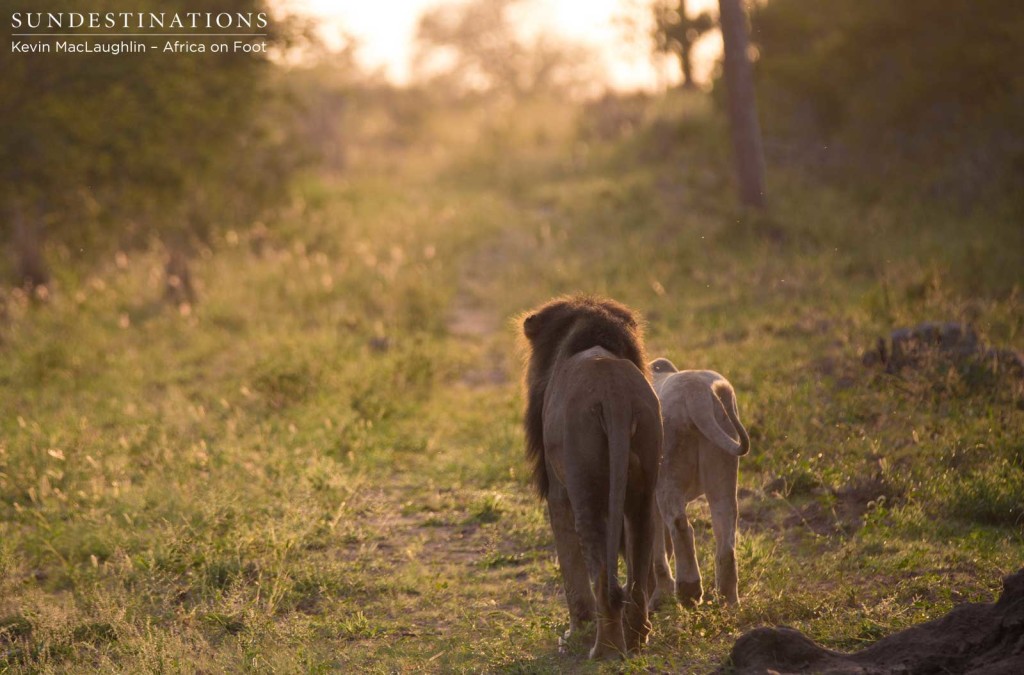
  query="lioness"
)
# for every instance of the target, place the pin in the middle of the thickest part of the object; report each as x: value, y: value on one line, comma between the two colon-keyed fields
x: 703, y: 442
x: 593, y: 434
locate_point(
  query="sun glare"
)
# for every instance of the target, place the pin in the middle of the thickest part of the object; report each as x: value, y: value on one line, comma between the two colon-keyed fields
x: 385, y: 32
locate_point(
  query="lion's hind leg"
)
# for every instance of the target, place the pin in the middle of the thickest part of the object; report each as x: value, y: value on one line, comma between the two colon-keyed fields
x: 662, y: 583
x: 610, y: 641
x: 587, y: 487
x: 610, y: 598
x: 578, y: 594
x: 643, y: 530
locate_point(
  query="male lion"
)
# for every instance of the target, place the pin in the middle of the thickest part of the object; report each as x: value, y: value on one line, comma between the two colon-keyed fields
x: 593, y: 434
x: 703, y: 442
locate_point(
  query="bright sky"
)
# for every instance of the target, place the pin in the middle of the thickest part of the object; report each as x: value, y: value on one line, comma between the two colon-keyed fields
x: 385, y: 29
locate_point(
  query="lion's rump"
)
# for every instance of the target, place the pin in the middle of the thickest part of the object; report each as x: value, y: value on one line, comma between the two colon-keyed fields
x: 561, y: 328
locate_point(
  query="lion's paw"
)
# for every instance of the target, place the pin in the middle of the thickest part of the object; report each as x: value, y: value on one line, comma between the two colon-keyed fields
x: 602, y: 651
x: 636, y: 640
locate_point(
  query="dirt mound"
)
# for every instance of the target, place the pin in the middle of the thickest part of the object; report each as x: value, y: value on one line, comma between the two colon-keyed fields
x: 941, y: 343
x: 977, y: 638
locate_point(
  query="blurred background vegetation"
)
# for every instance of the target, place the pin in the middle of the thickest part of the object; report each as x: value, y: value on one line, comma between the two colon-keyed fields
x: 926, y: 97
x: 104, y: 152
x: 101, y: 152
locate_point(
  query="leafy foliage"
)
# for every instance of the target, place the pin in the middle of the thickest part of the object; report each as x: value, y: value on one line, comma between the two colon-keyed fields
x: 477, y: 47
x: 900, y: 81
x: 139, y: 143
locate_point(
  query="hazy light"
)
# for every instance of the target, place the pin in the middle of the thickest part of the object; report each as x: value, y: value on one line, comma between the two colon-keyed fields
x: 385, y: 31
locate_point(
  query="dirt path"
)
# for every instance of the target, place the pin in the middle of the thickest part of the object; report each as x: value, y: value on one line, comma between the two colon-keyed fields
x: 444, y: 557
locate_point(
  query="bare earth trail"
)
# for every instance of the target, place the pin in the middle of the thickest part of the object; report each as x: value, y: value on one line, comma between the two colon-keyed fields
x: 428, y: 539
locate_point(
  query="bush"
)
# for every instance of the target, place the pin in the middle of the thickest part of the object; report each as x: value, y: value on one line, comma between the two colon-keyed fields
x: 112, y: 150
x: 881, y: 82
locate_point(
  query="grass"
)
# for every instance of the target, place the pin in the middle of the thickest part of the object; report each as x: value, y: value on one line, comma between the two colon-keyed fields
x: 319, y: 467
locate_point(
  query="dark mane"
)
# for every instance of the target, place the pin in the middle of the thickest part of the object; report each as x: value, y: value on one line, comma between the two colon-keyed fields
x: 559, y: 329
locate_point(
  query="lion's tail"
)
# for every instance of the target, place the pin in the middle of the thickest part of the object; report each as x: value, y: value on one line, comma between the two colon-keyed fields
x: 619, y: 431
x: 703, y: 404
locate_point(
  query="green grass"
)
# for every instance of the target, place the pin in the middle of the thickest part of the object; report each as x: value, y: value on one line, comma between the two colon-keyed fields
x: 319, y: 467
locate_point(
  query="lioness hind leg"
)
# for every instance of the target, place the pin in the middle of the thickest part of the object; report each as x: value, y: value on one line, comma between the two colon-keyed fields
x: 688, y: 587
x: 660, y: 584
x: 719, y: 475
x: 578, y: 594
x: 724, y: 522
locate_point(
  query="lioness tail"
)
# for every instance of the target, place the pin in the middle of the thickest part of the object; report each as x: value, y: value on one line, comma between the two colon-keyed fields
x: 702, y: 402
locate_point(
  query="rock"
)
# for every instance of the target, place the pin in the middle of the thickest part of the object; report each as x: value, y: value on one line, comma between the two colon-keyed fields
x: 936, y: 342
x: 783, y: 650
x: 977, y: 638
x: 911, y: 346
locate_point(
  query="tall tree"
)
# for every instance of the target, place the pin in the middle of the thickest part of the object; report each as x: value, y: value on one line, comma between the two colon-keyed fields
x: 748, y: 150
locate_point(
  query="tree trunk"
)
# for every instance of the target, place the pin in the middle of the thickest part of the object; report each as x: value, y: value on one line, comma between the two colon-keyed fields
x: 739, y: 81
x: 686, y: 47
x: 178, y: 287
x: 27, y: 243
x: 685, y: 62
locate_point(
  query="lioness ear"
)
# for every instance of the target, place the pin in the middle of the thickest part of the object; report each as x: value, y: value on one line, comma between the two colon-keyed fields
x: 663, y: 366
